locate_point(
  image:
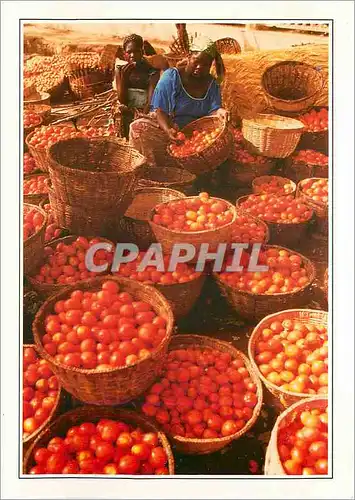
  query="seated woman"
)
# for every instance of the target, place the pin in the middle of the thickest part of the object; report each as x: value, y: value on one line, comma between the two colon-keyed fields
x: 181, y: 96
x: 135, y: 81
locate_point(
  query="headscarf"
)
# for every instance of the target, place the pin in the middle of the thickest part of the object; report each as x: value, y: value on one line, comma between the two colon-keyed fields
x: 205, y: 44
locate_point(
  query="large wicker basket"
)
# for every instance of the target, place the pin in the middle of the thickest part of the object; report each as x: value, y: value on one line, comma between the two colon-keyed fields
x: 168, y: 238
x: 93, y: 414
x: 213, y: 155
x: 291, y: 86
x: 33, y: 247
x: 272, y: 135
x: 135, y: 223
x: 273, y: 465
x: 243, y: 174
x: 320, y: 209
x: 86, y: 84
x: 255, y: 306
x: 34, y: 199
x: 256, y: 184
x: 117, y: 385
x: 190, y: 446
x: 314, y: 317
x: 167, y: 177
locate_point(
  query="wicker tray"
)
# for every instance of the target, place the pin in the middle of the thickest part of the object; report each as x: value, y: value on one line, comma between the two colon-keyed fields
x: 168, y: 177
x: 33, y: 247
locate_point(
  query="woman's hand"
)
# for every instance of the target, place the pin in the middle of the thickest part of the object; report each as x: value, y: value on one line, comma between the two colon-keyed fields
x: 172, y: 133
x: 223, y: 114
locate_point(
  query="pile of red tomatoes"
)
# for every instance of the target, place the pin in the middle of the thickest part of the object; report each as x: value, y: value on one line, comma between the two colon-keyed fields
x: 316, y: 189
x: 29, y: 164
x: 311, y: 157
x: 315, y: 121
x: 35, y: 185
x: 277, y: 209
x: 275, y: 185
x: 52, y: 228
x: 198, y: 141
x: 32, y: 221
x: 31, y: 119
x: 46, y: 136
x: 246, y: 229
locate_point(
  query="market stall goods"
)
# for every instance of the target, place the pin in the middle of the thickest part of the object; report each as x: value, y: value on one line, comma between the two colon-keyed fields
x: 315, y: 193
x: 249, y: 229
x: 315, y: 121
x: 289, y: 350
x: 29, y: 164
x: 198, y: 141
x: 299, y: 440
x: 35, y: 220
x: 207, y: 397
x: 316, y: 136
x: 53, y: 231
x: 168, y: 177
x: 305, y: 164
x: 113, y: 338
x: 35, y: 188
x: 31, y: 120
x: 92, y: 440
x: 273, y: 184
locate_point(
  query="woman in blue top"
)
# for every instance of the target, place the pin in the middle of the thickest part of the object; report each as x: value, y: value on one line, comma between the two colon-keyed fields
x: 181, y: 96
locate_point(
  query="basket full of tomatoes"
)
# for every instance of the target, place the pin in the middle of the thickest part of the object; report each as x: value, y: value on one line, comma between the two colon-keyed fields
x: 316, y: 135
x: 105, y: 338
x: 205, y: 144
x: 34, y: 228
x: 53, y: 231
x: 35, y: 188
x: 273, y: 184
x: 207, y: 397
x: 315, y: 193
x: 105, y: 440
x: 31, y: 120
x: 305, y: 164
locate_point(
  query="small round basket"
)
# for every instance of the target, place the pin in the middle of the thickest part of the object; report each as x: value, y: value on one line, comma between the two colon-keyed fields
x: 307, y: 316
x: 135, y: 223
x: 167, y: 177
x: 272, y: 135
x: 320, y: 209
x: 33, y: 247
x: 34, y: 199
x: 243, y: 174
x: 26, y: 442
x: 168, y: 238
x: 281, y: 181
x: 228, y: 46
x: 213, y: 155
x: 190, y: 446
x: 256, y: 306
x: 94, y: 414
x: 117, y: 385
x: 291, y: 86
x: 283, y: 233
x: 273, y: 465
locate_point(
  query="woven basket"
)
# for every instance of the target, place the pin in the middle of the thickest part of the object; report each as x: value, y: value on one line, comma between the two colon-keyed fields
x: 273, y: 465
x: 243, y: 174
x: 318, y: 141
x: 283, y: 233
x: 190, y: 446
x: 168, y: 238
x: 213, y: 155
x: 298, y: 171
x: 33, y: 247
x: 254, y: 307
x: 320, y: 209
x: 110, y: 189
x: 93, y: 414
x: 272, y: 135
x: 135, y: 223
x: 34, y: 199
x: 86, y: 83
x: 291, y: 87
x: 117, y: 385
x: 228, y: 46
x: 167, y: 177
x: 259, y: 222
x: 314, y: 317
x: 28, y: 130
x: 46, y: 290
x: 174, y: 59
x: 268, y: 178
x: 26, y: 443
x: 43, y: 99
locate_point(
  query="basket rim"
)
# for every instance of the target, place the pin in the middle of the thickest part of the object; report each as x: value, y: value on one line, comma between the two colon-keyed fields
x: 31, y: 134
x: 257, y: 180
x: 152, y: 189
x: 95, y: 282
x: 191, y: 233
x: 258, y: 221
x: 298, y: 125
x: 44, y: 424
x: 190, y: 176
x: 44, y: 213
x: 179, y: 340
x: 294, y: 63
x: 300, y: 189
x: 43, y: 96
x: 281, y: 294
x: 256, y: 333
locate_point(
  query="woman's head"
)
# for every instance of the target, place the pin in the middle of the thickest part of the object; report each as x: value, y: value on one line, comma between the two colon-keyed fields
x: 199, y: 64
x: 133, y: 48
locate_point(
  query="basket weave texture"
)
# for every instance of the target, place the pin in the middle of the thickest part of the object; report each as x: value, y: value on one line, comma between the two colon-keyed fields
x: 243, y: 173
x: 33, y: 247
x: 168, y: 177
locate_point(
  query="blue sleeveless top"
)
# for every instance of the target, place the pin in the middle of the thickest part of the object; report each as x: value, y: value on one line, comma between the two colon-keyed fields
x: 171, y: 97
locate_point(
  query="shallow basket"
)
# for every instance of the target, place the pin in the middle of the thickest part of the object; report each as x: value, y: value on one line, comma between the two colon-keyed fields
x: 320, y: 209
x: 34, y: 199
x: 33, y: 247
x: 291, y: 86
x: 191, y: 446
x: 283, y: 233
x: 46, y: 290
x: 213, y: 155
x: 255, y: 306
x: 117, y: 385
x: 93, y: 414
x: 273, y: 465
x: 268, y: 178
x: 272, y: 135
x: 167, y: 177
x: 243, y: 174
x: 313, y: 317
x: 168, y: 238
x: 135, y: 223
x: 297, y: 171
x: 44, y: 98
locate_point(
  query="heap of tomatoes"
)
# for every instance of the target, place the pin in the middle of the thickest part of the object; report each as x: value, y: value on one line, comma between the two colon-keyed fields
x: 102, y: 329
x: 294, y: 356
x: 237, y: 135
x: 46, y: 136
x: 200, y: 213
x: 52, y: 228
x: 29, y: 164
x: 277, y: 209
x: 315, y: 121
x: 32, y: 221
x: 203, y: 394
x: 241, y: 155
x: 275, y: 185
x: 35, y: 185
x: 286, y: 273
x: 108, y: 447
x: 40, y: 391
x: 151, y: 276
x: 311, y: 157
x: 303, y: 443
x: 247, y: 229
x: 198, y: 141
x: 31, y: 119
x: 316, y: 189
x: 65, y: 264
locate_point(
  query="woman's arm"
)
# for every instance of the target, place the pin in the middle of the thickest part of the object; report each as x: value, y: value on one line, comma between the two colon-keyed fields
x: 152, y: 84
x: 166, y: 125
